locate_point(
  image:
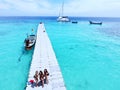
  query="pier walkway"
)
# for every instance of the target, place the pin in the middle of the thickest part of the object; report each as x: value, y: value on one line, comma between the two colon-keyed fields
x: 44, y: 58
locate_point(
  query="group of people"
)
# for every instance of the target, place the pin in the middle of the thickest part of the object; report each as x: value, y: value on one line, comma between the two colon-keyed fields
x: 42, y: 76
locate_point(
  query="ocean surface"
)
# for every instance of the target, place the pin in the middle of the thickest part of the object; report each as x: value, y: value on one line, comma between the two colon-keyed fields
x: 88, y: 55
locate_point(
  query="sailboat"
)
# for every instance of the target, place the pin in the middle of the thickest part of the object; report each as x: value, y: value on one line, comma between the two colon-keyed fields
x: 62, y: 18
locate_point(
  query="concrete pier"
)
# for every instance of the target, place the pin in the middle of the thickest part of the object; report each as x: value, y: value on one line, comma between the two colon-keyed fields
x: 44, y: 58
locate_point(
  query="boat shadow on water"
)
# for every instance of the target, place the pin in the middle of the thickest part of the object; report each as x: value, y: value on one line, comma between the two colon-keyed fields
x: 24, y: 52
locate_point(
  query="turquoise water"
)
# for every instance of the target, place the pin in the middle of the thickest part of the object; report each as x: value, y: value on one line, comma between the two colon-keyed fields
x: 88, y: 55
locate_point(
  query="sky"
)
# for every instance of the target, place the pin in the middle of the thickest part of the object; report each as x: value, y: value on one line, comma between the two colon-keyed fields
x: 83, y: 8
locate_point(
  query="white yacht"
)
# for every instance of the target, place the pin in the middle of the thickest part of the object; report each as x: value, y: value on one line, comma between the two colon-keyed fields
x: 62, y: 18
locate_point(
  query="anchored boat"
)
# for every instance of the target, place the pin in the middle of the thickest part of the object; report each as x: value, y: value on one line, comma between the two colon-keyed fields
x: 30, y: 41
x: 62, y: 18
x: 75, y: 22
x: 97, y: 23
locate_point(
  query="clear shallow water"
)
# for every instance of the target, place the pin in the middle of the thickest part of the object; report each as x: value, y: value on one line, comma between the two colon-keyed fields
x: 12, y: 72
x: 89, y: 55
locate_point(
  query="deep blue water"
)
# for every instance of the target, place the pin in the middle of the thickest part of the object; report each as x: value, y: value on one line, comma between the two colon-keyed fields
x: 42, y: 18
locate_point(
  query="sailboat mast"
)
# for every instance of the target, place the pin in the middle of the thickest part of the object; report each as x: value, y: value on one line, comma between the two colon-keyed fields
x: 62, y: 7
x: 62, y: 18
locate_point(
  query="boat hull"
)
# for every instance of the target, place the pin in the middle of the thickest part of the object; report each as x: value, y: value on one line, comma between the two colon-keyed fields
x: 96, y: 23
x: 29, y: 47
x: 75, y: 22
x: 63, y: 19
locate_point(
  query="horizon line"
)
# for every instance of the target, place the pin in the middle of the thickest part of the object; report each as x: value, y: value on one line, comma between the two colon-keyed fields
x: 58, y: 16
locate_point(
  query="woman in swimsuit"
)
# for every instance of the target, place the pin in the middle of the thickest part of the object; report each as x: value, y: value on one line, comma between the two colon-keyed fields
x: 41, y: 78
x: 36, y: 78
x: 46, y: 74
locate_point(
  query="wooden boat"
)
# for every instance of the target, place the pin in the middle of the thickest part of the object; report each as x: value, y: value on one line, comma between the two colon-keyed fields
x: 97, y: 23
x: 30, y: 42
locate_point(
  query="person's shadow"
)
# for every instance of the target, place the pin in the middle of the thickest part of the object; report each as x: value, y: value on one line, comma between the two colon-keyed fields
x: 34, y: 83
x: 40, y: 83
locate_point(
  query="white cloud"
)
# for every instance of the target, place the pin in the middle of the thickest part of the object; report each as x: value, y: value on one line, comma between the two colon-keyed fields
x: 71, y: 7
x: 31, y: 7
x: 93, y: 7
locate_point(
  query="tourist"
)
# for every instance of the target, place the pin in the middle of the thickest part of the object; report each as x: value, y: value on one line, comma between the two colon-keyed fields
x: 27, y: 42
x: 41, y: 78
x: 46, y: 74
x: 36, y: 78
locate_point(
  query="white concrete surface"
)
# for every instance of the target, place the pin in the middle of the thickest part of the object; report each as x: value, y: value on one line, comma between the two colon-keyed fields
x: 44, y: 57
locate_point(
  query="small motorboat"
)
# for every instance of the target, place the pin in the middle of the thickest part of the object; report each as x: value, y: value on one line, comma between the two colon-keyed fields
x: 30, y: 41
x: 75, y: 22
x: 97, y: 23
